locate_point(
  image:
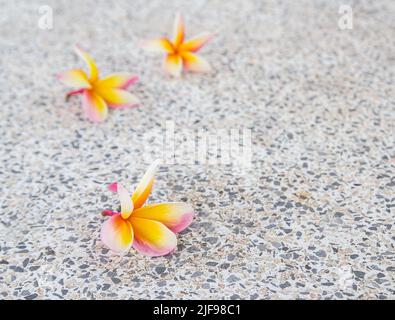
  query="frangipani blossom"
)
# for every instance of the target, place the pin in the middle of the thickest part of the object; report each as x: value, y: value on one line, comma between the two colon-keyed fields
x: 180, y: 53
x: 99, y: 94
x: 149, y: 229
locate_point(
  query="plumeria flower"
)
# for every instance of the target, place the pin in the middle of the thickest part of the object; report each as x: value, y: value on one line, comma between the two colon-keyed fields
x: 99, y: 94
x: 179, y: 53
x: 150, y: 229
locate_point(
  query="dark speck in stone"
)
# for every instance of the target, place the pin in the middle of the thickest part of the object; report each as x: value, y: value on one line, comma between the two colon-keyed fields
x: 359, y: 274
x: 17, y: 269
x: 211, y: 240
x: 289, y: 205
x: 115, y: 280
x: 254, y: 296
x: 320, y: 253
x: 285, y: 285
x: 232, y: 278
x: 197, y: 274
x: 231, y: 257
x: 25, y: 262
x: 327, y: 284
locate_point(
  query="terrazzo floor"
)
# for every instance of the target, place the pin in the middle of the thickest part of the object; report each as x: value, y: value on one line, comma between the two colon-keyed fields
x: 312, y: 218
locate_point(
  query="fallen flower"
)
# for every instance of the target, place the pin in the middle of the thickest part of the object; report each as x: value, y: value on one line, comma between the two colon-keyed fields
x: 99, y: 94
x: 179, y: 53
x: 149, y: 229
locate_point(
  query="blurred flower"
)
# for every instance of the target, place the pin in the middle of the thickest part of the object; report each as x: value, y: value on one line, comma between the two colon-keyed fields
x: 99, y: 94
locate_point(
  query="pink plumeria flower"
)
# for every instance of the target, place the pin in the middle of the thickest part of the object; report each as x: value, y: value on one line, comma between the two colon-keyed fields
x: 179, y: 53
x: 150, y: 229
x: 99, y: 94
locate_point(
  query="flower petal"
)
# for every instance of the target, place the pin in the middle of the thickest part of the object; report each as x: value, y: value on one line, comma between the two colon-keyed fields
x: 195, y: 63
x: 74, y: 92
x: 178, y: 30
x: 117, y: 80
x: 173, y: 65
x: 75, y: 78
x: 117, y: 98
x: 93, y: 71
x: 152, y: 238
x: 196, y: 43
x: 94, y: 106
x: 159, y: 45
x: 126, y: 201
x: 144, y: 187
x: 117, y: 234
x: 176, y: 215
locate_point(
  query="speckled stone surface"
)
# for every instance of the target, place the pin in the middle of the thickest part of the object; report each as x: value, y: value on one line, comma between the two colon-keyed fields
x: 312, y: 219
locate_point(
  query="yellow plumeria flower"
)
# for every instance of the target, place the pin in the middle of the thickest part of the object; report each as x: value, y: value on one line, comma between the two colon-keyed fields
x: 179, y: 53
x: 150, y: 229
x: 99, y: 94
